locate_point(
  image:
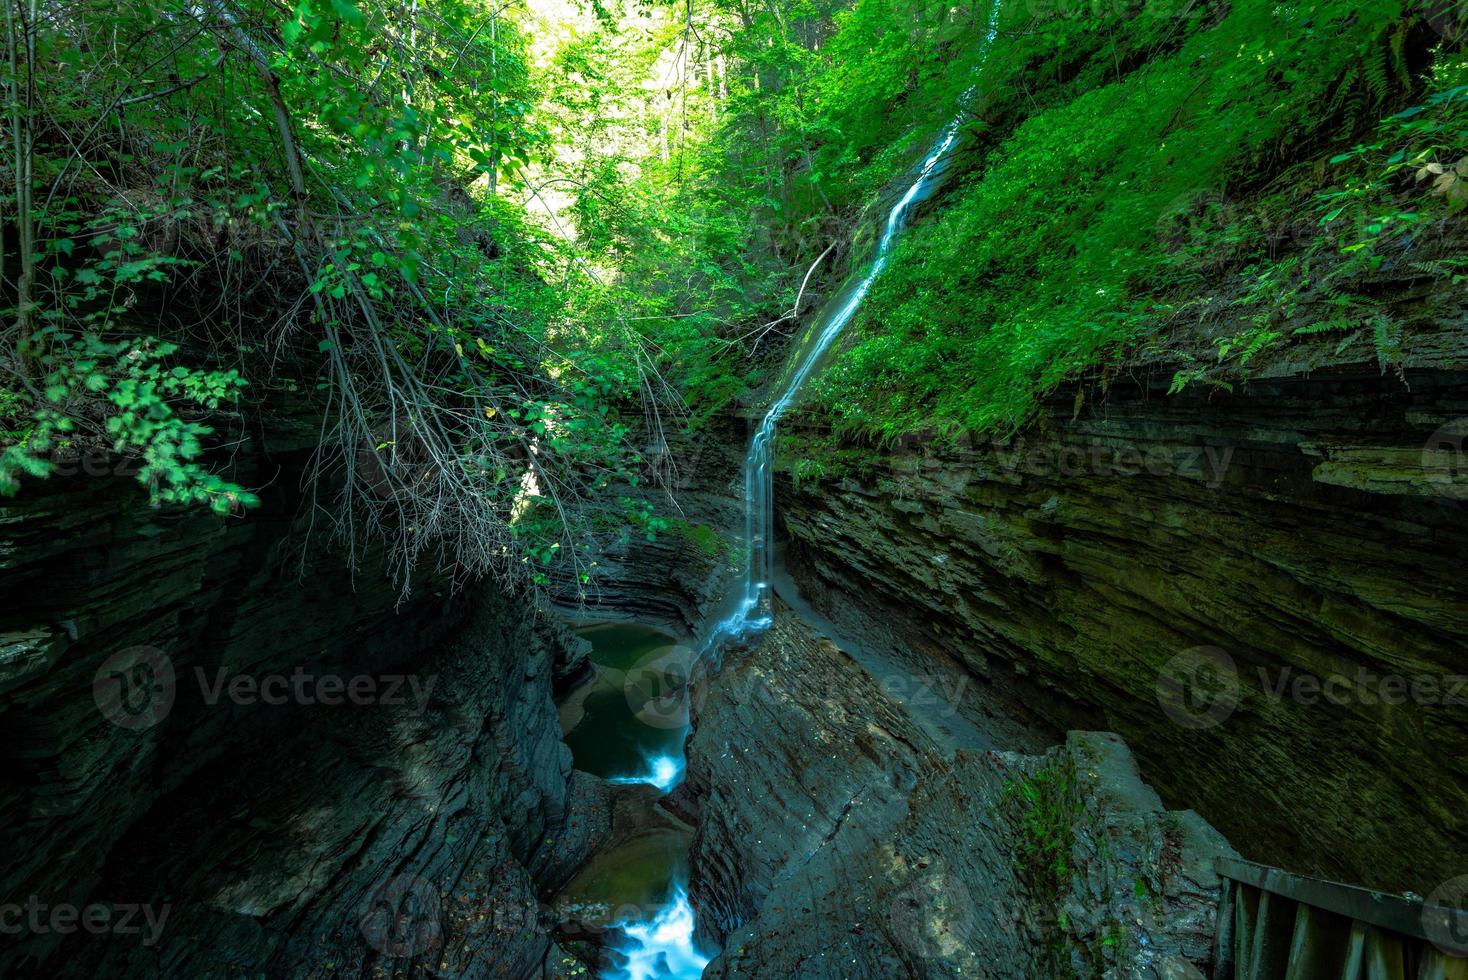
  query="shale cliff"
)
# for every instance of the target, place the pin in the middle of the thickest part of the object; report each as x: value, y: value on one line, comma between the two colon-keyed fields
x: 1261, y: 590
x: 675, y: 576
x: 225, y: 761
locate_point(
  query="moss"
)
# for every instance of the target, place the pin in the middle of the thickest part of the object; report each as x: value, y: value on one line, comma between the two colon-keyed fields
x: 707, y: 540
x: 1114, y: 213
x: 814, y: 457
x: 1045, y: 807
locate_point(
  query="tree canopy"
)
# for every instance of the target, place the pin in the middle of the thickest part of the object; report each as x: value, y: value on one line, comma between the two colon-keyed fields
x: 501, y: 250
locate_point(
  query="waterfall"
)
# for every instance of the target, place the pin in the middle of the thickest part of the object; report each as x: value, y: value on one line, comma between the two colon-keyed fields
x: 753, y: 612
x: 663, y: 948
x: 662, y: 771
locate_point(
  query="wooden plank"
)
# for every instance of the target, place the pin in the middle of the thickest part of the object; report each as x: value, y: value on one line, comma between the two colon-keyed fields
x: 1274, y: 929
x: 1319, y: 946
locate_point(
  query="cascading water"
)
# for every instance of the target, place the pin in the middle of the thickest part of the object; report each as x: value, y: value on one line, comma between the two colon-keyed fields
x: 663, y: 948
x: 752, y: 610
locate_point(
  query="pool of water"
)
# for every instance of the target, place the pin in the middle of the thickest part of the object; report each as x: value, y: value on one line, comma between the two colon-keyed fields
x: 639, y: 888
x: 628, y: 723
x: 632, y: 882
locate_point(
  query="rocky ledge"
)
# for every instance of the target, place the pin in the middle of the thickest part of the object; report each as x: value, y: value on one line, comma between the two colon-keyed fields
x: 218, y: 766
x: 674, y: 576
x: 850, y: 825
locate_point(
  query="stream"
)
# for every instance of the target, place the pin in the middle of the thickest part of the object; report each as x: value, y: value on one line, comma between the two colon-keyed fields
x: 629, y: 723
x: 621, y: 726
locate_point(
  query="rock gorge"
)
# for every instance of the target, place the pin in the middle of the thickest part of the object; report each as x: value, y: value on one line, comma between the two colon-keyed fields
x: 278, y: 836
x: 1001, y: 596
x: 838, y: 489
x: 1130, y: 535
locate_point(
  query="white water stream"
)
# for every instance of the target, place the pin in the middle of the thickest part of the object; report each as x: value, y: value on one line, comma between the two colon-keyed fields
x: 752, y: 612
x: 664, y: 948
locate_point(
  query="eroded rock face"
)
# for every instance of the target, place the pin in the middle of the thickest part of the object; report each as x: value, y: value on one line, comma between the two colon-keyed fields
x: 677, y: 578
x: 849, y: 830
x: 251, y: 827
x: 1239, y: 584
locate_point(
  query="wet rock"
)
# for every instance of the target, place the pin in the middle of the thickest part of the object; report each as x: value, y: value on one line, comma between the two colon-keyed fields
x: 411, y: 833
x: 844, y: 834
x: 676, y: 579
x: 594, y: 946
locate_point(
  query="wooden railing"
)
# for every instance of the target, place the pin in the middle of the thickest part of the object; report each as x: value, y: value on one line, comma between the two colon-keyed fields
x: 1274, y: 925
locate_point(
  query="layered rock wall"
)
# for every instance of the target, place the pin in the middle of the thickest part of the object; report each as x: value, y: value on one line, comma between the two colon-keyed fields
x: 298, y: 771
x: 850, y: 827
x: 1262, y: 591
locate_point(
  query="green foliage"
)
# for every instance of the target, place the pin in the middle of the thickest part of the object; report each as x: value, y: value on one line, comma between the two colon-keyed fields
x: 1045, y: 806
x: 128, y: 392
x: 1129, y: 169
x: 329, y: 186
x: 803, y: 470
x: 142, y: 393
x: 501, y: 266
x: 1086, y: 227
x: 706, y: 539
x: 1424, y: 147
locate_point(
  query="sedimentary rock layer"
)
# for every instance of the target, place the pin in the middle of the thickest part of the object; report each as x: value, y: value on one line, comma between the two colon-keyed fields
x: 1246, y: 586
x: 411, y: 826
x: 849, y: 831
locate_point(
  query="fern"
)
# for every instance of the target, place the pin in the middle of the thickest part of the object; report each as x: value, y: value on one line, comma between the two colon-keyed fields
x: 1386, y: 334
x: 1346, y: 342
x: 1334, y: 324
x: 1376, y: 71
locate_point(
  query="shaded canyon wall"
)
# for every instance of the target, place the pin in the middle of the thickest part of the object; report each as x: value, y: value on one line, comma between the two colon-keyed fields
x: 182, y: 737
x: 1262, y: 591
